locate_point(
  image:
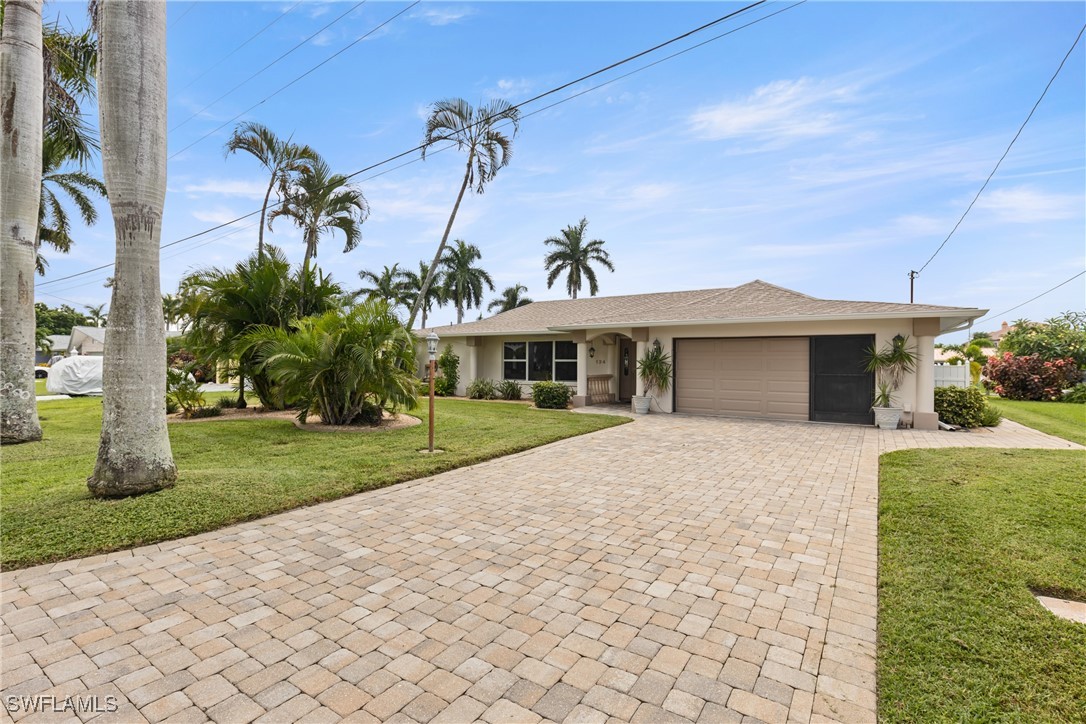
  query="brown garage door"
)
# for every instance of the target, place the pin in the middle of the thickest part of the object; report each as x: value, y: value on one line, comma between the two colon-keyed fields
x: 756, y: 377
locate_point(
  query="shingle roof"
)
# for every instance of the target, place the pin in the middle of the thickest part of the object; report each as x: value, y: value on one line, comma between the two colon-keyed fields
x: 754, y: 301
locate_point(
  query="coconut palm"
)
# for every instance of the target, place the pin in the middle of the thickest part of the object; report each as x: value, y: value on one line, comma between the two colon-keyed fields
x: 413, y: 286
x: 477, y: 131
x: 97, y: 314
x: 574, y: 256
x: 510, y: 299
x: 54, y: 227
x: 389, y: 285
x: 462, y: 282
x: 21, y: 89
x: 134, y: 454
x: 283, y: 160
x: 223, y: 305
x: 320, y: 202
x: 344, y: 365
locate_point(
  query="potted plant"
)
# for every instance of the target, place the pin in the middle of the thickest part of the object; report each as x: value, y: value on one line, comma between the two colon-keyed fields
x: 654, y: 369
x: 890, y: 366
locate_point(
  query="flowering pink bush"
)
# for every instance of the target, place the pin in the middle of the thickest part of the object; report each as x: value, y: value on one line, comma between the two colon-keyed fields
x: 1030, y: 377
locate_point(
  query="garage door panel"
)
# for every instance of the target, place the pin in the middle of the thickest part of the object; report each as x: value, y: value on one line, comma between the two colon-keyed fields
x: 755, y: 377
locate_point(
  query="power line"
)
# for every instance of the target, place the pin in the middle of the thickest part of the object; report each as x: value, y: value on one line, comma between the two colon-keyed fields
x: 250, y: 39
x: 182, y: 15
x: 1009, y: 146
x: 1005, y: 311
x: 269, y: 65
x: 398, y: 156
x: 342, y: 50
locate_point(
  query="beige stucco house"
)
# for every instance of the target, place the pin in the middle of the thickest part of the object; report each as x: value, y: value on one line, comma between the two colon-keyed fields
x: 755, y: 350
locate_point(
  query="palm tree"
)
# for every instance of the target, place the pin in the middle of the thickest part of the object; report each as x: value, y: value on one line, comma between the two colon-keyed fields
x: 463, y: 281
x: 574, y: 256
x: 510, y: 299
x: 321, y: 202
x: 97, y: 314
x: 283, y: 160
x: 21, y: 89
x: 69, y: 66
x: 413, y: 286
x: 389, y: 285
x: 53, y: 225
x: 476, y: 130
x: 171, y: 309
x: 134, y: 454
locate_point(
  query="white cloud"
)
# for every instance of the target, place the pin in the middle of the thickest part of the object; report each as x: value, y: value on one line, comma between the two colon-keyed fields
x: 510, y: 88
x: 215, y: 215
x: 248, y: 189
x: 783, y: 109
x: 443, y: 15
x: 1029, y: 205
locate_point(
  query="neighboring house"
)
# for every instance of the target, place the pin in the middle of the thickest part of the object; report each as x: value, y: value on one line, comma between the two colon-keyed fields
x: 755, y: 350
x: 92, y: 340
x: 997, y: 335
x: 58, y: 345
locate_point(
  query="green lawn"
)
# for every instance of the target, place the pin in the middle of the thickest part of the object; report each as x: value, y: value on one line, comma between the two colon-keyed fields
x: 39, y: 388
x: 1062, y: 419
x: 964, y: 535
x: 235, y: 470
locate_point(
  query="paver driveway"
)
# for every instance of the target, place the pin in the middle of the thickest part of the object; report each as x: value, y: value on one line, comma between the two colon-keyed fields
x: 674, y: 568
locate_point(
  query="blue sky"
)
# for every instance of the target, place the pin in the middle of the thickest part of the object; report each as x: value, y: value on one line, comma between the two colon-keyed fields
x: 829, y: 149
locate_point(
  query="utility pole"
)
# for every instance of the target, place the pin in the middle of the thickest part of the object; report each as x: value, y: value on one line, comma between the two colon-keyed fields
x: 912, y: 278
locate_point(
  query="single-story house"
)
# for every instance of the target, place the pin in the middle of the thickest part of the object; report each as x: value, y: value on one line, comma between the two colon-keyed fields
x: 58, y: 344
x: 756, y: 350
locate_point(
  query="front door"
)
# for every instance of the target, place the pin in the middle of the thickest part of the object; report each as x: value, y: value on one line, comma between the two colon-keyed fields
x: 841, y: 389
x: 627, y: 369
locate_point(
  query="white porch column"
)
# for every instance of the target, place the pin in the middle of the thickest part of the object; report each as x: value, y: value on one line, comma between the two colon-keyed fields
x: 924, y: 415
x: 581, y: 398
x: 473, y: 364
x: 639, y: 384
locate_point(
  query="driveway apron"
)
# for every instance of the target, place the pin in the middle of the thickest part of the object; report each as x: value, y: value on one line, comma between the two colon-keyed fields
x: 676, y: 568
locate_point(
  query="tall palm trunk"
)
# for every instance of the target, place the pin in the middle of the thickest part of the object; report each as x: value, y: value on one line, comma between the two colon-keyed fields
x: 21, y: 93
x: 263, y: 216
x: 134, y: 454
x: 441, y: 247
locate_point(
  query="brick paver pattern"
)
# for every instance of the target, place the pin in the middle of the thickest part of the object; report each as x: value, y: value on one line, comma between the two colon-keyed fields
x: 673, y: 569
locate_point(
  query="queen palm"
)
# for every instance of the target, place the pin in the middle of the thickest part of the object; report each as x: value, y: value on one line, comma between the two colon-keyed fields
x: 574, y: 257
x: 96, y: 314
x: 283, y: 160
x: 463, y: 281
x: 21, y: 88
x: 511, y: 298
x: 413, y: 287
x: 389, y: 285
x: 321, y: 202
x: 134, y: 454
x: 489, y: 149
x: 54, y: 226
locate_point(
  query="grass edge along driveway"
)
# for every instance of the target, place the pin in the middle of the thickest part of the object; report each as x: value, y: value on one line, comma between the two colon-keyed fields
x: 964, y: 535
x: 232, y: 471
x: 1062, y: 419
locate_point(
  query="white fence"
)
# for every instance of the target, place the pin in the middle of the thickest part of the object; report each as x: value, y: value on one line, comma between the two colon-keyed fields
x: 951, y: 375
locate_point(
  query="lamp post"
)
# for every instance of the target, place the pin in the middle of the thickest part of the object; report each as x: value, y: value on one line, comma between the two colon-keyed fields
x: 431, y: 348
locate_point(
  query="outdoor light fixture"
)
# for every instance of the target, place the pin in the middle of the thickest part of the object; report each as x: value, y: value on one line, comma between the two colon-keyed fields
x: 656, y: 344
x: 591, y: 351
x: 431, y: 347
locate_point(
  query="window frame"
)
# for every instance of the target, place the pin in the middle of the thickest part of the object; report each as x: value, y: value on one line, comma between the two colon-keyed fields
x: 526, y: 359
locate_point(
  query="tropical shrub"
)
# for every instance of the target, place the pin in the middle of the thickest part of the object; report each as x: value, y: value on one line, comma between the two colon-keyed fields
x: 964, y: 406
x: 449, y: 364
x: 551, y: 395
x: 224, y: 305
x: 205, y: 412
x: 1030, y: 377
x: 1057, y: 338
x: 171, y: 406
x: 183, y: 390
x: 482, y: 389
x: 345, y: 365
x: 990, y: 417
x: 226, y: 403
x: 1075, y: 394
x: 510, y: 390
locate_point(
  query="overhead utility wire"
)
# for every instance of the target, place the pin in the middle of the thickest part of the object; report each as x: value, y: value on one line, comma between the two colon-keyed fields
x: 187, y: 11
x: 269, y: 65
x: 339, y: 52
x: 1000, y: 314
x: 912, y: 275
x: 250, y: 39
x: 418, y: 148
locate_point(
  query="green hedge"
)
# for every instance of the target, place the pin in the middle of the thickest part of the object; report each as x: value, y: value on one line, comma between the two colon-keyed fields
x: 964, y: 406
x: 551, y: 395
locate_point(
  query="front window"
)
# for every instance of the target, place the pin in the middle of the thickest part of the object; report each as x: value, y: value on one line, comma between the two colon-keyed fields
x: 536, y: 361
